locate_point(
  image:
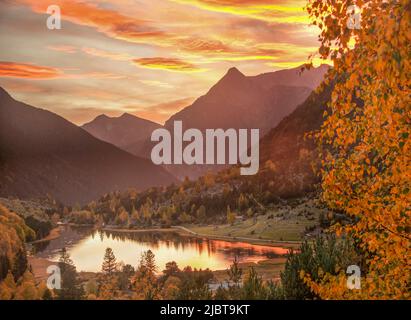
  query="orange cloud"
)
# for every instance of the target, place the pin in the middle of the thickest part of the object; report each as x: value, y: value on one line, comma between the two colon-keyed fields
x: 35, y: 72
x: 130, y: 29
x: 204, y: 46
x: 28, y: 71
x: 169, y: 64
x: 122, y: 27
x: 279, y: 11
x: 104, y: 20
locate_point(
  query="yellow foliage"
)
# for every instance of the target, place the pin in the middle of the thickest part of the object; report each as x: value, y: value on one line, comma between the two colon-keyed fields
x: 368, y: 172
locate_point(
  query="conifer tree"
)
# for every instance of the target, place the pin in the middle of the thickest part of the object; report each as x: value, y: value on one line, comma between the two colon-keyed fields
x: 71, y: 289
x: 109, y: 264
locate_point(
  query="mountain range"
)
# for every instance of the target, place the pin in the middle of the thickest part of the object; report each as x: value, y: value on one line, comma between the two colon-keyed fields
x: 127, y: 132
x: 235, y: 101
x: 42, y: 153
x: 238, y: 101
x: 246, y: 102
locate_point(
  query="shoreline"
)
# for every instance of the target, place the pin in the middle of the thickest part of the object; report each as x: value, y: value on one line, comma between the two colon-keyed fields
x: 181, y: 230
x: 187, y: 232
x: 265, y: 242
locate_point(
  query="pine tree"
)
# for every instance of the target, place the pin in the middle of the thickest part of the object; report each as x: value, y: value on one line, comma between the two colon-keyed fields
x: 109, y: 264
x: 145, y: 280
x: 235, y: 272
x: 230, y: 216
x: 65, y: 258
x: 71, y: 289
x: 149, y: 261
x: 253, y: 287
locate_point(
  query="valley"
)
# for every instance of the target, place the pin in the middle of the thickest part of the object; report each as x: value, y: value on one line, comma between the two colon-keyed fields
x: 202, y: 223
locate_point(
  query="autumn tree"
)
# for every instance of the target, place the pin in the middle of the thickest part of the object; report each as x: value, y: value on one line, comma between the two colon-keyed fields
x: 171, y: 288
x: 26, y: 289
x: 109, y: 289
x: 145, y: 280
x: 184, y: 218
x: 365, y: 140
x: 201, y: 213
x: 109, y: 262
x: 231, y: 216
x: 7, y: 287
x: 123, y: 217
x: 171, y: 269
x: 135, y: 216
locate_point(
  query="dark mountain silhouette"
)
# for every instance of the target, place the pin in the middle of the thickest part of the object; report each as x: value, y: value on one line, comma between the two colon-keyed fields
x: 238, y: 101
x: 127, y: 132
x: 42, y: 153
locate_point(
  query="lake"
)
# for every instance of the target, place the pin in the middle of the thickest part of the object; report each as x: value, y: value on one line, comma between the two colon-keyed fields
x: 86, y: 248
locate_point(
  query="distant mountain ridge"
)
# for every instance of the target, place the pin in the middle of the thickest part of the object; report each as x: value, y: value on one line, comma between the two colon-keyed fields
x: 239, y: 101
x: 41, y: 153
x: 124, y: 132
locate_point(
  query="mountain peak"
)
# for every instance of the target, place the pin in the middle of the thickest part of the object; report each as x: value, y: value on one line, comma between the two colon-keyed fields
x: 231, y: 79
x: 102, y: 116
x: 234, y: 72
x: 127, y: 115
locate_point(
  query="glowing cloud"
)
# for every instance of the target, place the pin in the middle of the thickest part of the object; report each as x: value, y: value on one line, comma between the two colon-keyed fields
x: 124, y: 46
x: 169, y: 64
x: 279, y: 11
x: 28, y: 71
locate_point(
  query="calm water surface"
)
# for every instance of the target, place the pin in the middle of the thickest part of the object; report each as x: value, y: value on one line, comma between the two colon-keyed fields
x: 86, y: 248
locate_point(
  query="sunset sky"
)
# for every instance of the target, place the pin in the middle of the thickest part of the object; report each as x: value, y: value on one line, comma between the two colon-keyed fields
x: 146, y: 57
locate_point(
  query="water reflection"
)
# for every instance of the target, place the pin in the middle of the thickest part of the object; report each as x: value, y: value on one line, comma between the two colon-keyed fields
x: 86, y: 248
